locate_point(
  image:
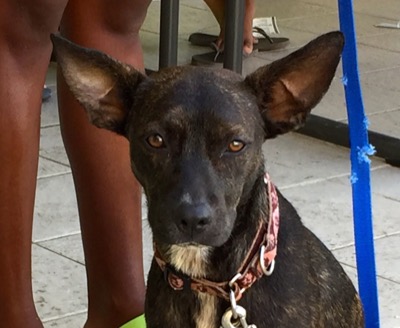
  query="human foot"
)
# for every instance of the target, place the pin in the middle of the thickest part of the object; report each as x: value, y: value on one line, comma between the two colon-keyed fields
x: 218, y: 9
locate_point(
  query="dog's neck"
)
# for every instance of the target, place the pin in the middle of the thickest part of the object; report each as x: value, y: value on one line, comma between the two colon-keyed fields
x: 192, y: 260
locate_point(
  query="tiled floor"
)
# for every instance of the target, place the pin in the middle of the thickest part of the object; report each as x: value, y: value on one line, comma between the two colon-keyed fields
x: 311, y: 173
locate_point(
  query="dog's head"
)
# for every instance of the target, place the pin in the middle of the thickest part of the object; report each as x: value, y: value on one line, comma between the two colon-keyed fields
x: 196, y: 133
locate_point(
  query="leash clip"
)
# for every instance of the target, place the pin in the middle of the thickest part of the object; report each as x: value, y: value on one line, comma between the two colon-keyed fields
x: 229, y: 321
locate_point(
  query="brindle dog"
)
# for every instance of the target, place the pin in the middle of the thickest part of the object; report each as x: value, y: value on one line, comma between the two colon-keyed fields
x: 196, y: 138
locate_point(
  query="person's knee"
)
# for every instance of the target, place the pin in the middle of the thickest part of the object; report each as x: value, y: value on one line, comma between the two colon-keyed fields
x: 127, y: 18
x: 123, y: 17
x: 36, y: 20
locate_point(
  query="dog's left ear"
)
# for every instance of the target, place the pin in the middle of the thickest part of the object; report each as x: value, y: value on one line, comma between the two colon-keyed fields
x: 289, y: 88
x: 104, y: 86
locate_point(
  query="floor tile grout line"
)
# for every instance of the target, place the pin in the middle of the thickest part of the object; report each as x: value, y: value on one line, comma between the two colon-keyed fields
x: 48, y: 126
x: 315, y: 181
x: 390, y: 110
x: 55, y: 238
x: 67, y: 315
x: 370, y: 115
x: 62, y: 255
x: 380, y: 167
x: 311, y: 32
x: 48, y: 176
x: 378, y: 70
x: 54, y: 161
x: 375, y: 47
x: 377, y: 275
x: 390, y: 234
x: 335, y: 10
x: 350, y: 244
x: 387, y: 197
x: 376, y: 238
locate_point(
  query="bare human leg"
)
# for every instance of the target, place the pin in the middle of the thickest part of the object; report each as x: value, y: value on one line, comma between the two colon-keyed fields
x: 24, y: 56
x: 217, y: 7
x: 109, y: 197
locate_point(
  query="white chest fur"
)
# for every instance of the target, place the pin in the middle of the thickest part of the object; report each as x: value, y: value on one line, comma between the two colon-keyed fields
x: 193, y: 261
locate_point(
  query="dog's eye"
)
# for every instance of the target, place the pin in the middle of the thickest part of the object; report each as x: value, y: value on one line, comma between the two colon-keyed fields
x: 156, y: 141
x: 236, y: 146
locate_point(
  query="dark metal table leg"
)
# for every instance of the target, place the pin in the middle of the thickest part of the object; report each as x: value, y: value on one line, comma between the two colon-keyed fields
x: 233, y: 49
x: 168, y: 53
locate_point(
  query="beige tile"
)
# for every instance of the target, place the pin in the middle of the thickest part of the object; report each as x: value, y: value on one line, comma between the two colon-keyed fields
x: 386, y: 123
x: 388, y: 40
x: 198, y: 4
x: 388, y: 303
x: 383, y: 83
x: 49, y: 168
x: 323, y: 3
x: 291, y: 9
x: 388, y: 9
x: 152, y: 20
x: 56, y: 211
x: 384, y: 182
x: 191, y: 19
x: 386, y: 256
x: 388, y: 300
x: 70, y: 321
x: 59, y: 284
x: 51, y: 145
x: 150, y: 44
x: 69, y: 246
x: 372, y: 59
x: 319, y: 24
x: 326, y: 208
x: 333, y: 104
x: 295, y: 159
x: 381, y: 90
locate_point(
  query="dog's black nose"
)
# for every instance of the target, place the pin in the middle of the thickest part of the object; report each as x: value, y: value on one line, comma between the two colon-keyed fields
x: 194, y: 218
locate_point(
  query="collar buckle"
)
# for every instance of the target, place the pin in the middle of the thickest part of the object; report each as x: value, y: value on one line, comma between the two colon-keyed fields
x: 177, y: 280
x: 269, y: 268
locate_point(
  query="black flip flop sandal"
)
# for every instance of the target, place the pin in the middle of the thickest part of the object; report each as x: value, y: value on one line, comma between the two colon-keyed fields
x: 212, y: 58
x: 202, y: 39
x: 265, y: 43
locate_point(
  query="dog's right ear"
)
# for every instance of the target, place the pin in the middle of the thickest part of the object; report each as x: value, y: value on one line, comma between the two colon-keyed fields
x: 289, y: 88
x: 103, y: 86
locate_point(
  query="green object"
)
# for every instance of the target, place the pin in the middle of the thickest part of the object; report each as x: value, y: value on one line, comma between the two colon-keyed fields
x: 138, y: 322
